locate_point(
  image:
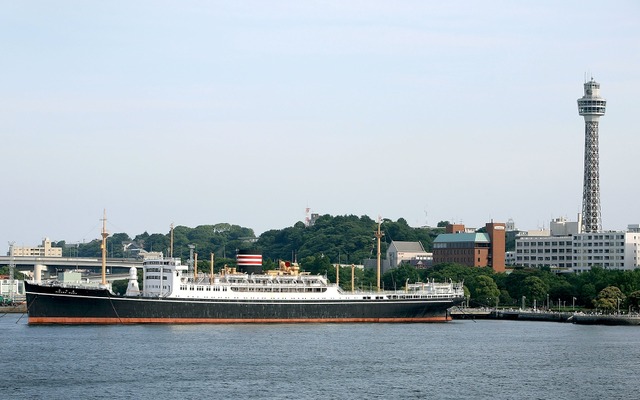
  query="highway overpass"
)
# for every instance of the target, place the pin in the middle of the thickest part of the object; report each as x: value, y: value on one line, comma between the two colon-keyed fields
x: 55, y: 264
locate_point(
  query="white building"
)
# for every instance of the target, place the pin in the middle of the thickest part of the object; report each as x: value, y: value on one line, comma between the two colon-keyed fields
x: 7, y: 292
x: 509, y: 258
x: 563, y: 247
x: 609, y: 250
x: 544, y: 251
x: 407, y: 252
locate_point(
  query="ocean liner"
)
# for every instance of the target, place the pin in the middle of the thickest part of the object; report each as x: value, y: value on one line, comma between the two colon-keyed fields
x: 172, y: 293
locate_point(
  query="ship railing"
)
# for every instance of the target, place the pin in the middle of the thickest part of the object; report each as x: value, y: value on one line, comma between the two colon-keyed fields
x: 406, y: 296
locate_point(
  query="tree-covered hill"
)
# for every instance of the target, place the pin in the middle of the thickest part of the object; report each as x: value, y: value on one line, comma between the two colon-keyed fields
x: 345, y: 239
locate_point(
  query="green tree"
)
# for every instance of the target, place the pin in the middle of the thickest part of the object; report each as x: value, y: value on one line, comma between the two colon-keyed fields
x: 587, y: 294
x: 505, y: 298
x: 633, y: 300
x: 396, y: 278
x: 535, y: 288
x: 316, y: 264
x: 609, y: 299
x: 485, y: 290
x: 16, y: 274
x: 120, y: 286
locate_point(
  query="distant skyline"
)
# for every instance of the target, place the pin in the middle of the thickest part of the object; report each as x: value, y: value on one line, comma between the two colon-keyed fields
x: 247, y: 113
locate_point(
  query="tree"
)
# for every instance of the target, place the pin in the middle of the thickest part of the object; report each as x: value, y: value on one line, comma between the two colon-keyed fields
x: 609, y: 299
x: 535, y: 288
x: 634, y: 299
x: 16, y: 274
x: 120, y: 286
x: 396, y: 278
x: 316, y: 264
x: 587, y: 294
x: 485, y: 290
x: 505, y: 298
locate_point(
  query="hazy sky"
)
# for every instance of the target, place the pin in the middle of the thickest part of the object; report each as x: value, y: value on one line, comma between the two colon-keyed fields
x: 247, y: 112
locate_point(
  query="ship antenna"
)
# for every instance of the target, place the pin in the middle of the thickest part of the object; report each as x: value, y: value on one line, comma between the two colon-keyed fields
x: 104, y: 248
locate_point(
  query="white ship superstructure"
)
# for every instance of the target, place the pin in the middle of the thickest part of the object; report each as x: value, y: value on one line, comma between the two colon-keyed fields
x: 287, y: 283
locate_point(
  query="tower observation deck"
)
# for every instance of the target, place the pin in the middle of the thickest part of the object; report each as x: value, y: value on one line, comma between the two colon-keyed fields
x: 591, y: 106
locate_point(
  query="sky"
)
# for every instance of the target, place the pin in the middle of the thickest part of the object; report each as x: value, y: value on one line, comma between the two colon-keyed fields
x: 249, y: 112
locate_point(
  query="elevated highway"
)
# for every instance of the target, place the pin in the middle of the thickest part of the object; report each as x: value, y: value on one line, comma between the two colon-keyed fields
x: 54, y: 264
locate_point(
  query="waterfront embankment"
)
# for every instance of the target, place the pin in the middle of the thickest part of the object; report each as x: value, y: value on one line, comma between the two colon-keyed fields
x: 510, y: 314
x: 543, y: 315
x: 17, y: 308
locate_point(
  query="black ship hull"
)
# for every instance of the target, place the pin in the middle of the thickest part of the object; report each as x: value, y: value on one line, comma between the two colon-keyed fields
x: 59, y: 305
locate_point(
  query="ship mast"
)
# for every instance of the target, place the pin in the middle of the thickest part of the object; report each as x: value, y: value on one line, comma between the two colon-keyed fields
x: 378, y: 235
x: 104, y: 248
x: 171, y: 243
x: 12, y: 267
x: 211, y: 273
x: 195, y: 268
x: 353, y: 290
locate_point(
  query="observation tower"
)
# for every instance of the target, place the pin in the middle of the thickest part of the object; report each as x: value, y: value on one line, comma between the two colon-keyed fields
x: 591, y: 106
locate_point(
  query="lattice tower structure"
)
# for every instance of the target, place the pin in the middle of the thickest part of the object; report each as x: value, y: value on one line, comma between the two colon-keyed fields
x: 591, y: 106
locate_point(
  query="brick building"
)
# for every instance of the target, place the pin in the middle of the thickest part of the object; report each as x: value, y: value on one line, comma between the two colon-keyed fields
x: 474, y: 249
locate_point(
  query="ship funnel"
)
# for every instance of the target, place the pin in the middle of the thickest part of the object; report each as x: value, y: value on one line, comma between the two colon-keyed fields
x: 249, y: 261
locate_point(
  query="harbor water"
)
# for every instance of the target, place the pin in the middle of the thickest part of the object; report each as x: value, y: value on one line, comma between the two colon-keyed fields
x: 458, y: 360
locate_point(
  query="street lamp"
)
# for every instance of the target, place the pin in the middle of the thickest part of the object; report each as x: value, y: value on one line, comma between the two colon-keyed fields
x: 548, y: 306
x: 523, y: 298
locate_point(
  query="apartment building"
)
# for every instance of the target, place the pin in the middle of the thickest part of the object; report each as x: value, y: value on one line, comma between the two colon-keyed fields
x: 45, y: 250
